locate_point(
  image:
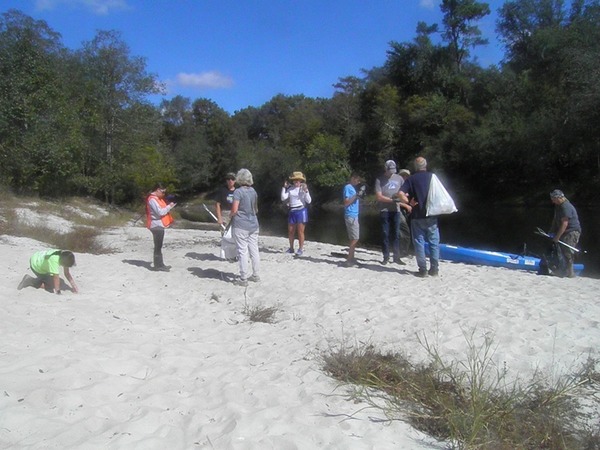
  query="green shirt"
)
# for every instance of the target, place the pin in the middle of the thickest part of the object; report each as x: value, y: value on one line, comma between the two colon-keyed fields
x: 44, y: 263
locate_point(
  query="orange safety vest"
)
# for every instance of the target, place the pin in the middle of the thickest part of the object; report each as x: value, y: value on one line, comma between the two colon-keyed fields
x: 166, y: 220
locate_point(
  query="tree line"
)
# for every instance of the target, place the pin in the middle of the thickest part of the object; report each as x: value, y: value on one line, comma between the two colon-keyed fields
x: 79, y: 122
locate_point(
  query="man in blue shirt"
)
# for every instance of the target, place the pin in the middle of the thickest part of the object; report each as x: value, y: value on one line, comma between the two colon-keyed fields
x: 351, y: 209
x: 414, y: 191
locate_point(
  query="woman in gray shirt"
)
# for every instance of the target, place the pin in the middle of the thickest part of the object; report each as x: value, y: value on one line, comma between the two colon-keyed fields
x: 245, y: 226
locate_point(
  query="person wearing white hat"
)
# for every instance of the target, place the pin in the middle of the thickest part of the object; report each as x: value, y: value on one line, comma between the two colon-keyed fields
x: 297, y: 197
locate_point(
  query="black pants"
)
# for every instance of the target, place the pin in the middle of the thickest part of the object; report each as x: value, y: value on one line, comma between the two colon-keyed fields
x: 158, y: 234
x: 43, y: 278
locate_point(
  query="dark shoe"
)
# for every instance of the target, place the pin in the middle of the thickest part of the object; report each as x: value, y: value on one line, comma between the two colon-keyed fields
x: 254, y: 278
x: 163, y: 269
x: 385, y: 261
x: 422, y: 273
x: 399, y: 262
x: 26, y: 282
x: 240, y: 282
x: 433, y: 272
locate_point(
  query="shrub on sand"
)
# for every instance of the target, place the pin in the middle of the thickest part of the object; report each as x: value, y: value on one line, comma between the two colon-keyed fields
x: 260, y: 313
x: 471, y: 404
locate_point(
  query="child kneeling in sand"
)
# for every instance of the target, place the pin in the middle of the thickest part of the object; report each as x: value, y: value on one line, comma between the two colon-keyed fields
x: 46, y: 265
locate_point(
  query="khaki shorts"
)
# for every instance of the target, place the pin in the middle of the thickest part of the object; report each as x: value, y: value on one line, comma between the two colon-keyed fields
x: 352, y: 227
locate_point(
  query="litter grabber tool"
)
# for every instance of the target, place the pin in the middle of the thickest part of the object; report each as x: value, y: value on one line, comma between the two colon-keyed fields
x: 541, y: 232
x: 223, y: 228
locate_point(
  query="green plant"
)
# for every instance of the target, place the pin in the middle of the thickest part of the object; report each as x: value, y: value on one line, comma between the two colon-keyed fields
x: 470, y: 403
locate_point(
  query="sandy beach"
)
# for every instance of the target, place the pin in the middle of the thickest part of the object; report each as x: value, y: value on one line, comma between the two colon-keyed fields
x: 141, y: 359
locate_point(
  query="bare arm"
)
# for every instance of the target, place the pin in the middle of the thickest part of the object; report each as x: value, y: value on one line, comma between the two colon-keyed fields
x: 56, y: 281
x: 349, y: 200
x: 234, y: 207
x: 564, y: 223
x: 71, y: 281
x: 382, y: 198
x: 219, y: 216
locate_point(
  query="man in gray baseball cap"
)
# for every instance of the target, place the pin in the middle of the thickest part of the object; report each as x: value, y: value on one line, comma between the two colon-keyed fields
x: 386, y: 192
x: 565, y: 227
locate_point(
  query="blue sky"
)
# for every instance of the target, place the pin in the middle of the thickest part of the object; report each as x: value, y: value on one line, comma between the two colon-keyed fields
x: 241, y: 53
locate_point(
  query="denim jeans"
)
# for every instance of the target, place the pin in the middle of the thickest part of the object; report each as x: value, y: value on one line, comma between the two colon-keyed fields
x: 426, y: 230
x: 390, y: 230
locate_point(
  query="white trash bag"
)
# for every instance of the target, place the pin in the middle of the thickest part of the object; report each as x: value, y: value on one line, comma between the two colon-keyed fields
x: 228, y: 247
x: 439, y: 200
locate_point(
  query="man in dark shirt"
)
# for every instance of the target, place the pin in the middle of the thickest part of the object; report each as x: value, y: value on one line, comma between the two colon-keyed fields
x: 565, y: 227
x: 414, y: 191
x: 225, y: 200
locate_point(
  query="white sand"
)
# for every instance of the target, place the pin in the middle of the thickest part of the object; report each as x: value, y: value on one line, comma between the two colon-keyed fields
x: 147, y: 360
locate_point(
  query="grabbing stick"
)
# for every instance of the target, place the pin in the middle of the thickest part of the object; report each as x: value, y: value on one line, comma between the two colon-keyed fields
x: 543, y: 233
x: 214, y: 217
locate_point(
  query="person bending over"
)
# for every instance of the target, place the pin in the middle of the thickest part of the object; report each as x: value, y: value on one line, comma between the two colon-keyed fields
x: 46, y: 265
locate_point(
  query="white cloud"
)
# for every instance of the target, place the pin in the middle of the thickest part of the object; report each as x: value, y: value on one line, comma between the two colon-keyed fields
x: 100, y: 7
x: 427, y: 4
x: 204, y: 80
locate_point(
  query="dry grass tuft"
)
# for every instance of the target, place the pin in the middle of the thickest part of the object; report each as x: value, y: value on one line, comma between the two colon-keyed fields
x: 260, y: 313
x: 470, y: 404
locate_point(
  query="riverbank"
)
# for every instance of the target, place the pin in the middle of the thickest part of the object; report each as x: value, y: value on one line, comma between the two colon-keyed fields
x: 148, y: 359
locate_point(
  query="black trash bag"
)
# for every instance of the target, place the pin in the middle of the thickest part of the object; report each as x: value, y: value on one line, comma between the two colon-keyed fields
x: 553, y: 261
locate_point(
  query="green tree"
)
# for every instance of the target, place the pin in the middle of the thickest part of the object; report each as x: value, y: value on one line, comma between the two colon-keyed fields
x: 326, y: 161
x: 460, y: 30
x: 115, y: 84
x: 215, y: 125
x: 38, y: 127
x: 383, y: 127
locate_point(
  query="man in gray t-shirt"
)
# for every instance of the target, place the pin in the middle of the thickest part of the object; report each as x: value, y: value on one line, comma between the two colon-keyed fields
x: 386, y: 190
x: 565, y: 227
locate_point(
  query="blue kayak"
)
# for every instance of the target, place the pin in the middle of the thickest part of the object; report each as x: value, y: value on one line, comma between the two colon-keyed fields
x: 491, y: 258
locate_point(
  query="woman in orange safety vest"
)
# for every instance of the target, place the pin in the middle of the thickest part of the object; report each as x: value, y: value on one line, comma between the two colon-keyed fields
x: 158, y: 218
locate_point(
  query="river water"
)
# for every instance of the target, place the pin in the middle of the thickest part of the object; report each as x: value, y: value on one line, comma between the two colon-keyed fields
x: 508, y: 229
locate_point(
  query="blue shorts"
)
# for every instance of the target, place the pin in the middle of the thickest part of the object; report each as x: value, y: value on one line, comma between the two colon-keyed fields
x: 298, y: 216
